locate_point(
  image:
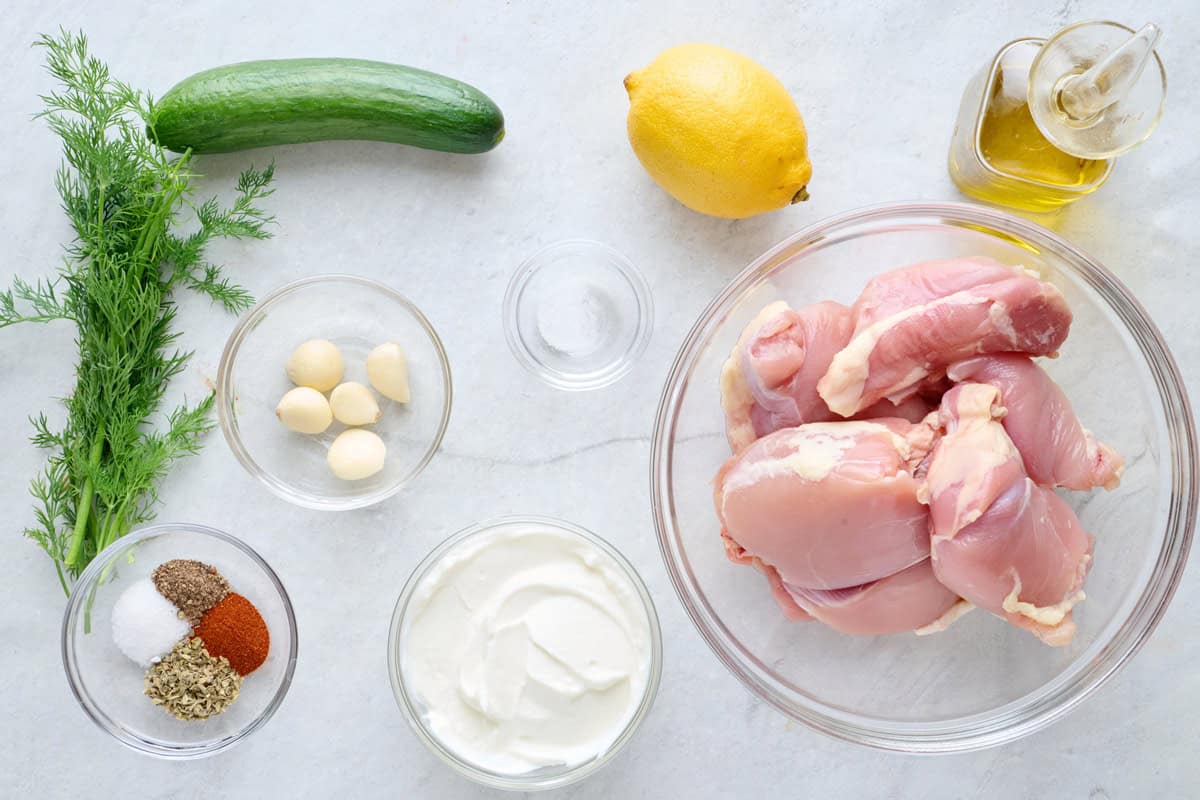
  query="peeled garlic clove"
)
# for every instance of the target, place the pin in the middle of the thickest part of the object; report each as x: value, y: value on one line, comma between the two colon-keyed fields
x: 304, y: 410
x: 354, y: 404
x: 356, y: 454
x: 317, y: 364
x: 387, y: 369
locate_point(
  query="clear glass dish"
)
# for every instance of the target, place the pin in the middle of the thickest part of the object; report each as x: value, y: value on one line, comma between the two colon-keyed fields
x: 356, y: 314
x: 109, y: 685
x: 413, y: 709
x: 577, y: 314
x: 981, y: 683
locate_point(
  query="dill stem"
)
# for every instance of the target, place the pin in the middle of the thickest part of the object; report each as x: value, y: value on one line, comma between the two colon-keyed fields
x: 114, y: 524
x: 100, y: 219
x: 62, y: 579
x: 85, y: 500
x: 161, y: 214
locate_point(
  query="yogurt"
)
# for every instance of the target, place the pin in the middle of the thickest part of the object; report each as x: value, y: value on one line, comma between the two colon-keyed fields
x: 527, y: 647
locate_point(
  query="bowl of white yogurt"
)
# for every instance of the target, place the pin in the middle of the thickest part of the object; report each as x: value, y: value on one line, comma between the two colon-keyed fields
x: 525, y: 652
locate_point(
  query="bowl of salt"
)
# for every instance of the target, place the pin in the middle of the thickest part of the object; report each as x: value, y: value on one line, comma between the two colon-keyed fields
x: 577, y: 314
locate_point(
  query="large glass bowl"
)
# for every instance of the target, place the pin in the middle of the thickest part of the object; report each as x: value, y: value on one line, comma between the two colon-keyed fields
x: 981, y: 683
x: 109, y: 686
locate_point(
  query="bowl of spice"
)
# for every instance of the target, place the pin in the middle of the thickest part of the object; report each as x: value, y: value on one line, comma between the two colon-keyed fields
x: 179, y: 640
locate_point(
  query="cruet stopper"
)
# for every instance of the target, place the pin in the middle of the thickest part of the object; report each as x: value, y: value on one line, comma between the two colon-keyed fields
x: 1096, y: 89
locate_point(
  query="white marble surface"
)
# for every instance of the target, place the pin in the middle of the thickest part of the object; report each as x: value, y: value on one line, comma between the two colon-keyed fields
x: 879, y: 84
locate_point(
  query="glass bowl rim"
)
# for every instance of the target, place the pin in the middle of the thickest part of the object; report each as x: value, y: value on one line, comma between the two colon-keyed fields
x: 408, y: 703
x: 1032, y: 712
x: 105, y: 722
x: 278, y: 486
x: 617, y: 368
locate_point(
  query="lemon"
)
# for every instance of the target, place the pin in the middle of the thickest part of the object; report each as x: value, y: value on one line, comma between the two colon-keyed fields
x: 718, y: 131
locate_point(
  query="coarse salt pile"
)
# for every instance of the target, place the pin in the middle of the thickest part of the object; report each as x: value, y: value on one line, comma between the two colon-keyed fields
x: 145, y: 624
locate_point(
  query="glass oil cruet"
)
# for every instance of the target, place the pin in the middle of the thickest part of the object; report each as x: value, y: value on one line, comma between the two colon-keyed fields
x: 1041, y: 125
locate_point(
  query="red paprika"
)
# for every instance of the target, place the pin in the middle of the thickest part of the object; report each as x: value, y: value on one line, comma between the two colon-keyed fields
x: 233, y: 628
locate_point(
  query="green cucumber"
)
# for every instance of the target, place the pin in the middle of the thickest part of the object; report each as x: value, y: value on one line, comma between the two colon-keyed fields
x: 263, y: 103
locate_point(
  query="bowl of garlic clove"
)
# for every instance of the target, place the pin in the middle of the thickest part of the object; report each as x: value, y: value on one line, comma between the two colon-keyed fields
x: 334, y: 392
x: 979, y: 682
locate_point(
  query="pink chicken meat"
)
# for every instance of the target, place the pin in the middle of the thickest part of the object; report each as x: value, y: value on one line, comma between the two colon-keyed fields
x: 910, y: 324
x: 828, y: 505
x: 912, y: 599
x: 899, y: 289
x: 998, y: 539
x: 1055, y: 447
x: 769, y: 381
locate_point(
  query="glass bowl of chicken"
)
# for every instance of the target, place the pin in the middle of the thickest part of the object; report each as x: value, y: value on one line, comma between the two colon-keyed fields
x: 924, y: 477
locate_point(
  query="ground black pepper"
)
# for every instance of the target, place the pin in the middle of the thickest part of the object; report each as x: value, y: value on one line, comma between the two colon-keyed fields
x: 193, y: 586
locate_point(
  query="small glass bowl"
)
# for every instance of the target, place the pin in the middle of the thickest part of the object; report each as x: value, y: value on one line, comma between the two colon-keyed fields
x: 109, y: 685
x: 356, y: 314
x: 413, y: 708
x: 577, y: 315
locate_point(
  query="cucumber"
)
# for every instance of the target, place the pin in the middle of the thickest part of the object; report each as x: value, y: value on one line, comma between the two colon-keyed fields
x: 263, y: 103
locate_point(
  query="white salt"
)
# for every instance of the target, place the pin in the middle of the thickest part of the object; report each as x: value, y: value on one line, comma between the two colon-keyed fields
x: 146, y: 625
x: 575, y: 321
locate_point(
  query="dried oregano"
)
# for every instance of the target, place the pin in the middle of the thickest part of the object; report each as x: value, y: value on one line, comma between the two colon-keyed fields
x: 190, y: 683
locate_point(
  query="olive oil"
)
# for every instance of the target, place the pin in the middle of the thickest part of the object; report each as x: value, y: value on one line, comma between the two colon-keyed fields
x: 1010, y: 141
x: 1042, y: 124
x: 1000, y: 155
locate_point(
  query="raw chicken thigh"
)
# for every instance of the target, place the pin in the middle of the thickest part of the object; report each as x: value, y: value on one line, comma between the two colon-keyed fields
x: 900, y: 289
x: 999, y: 540
x: 769, y: 381
x: 736, y: 400
x: 829, y: 504
x: 912, y: 599
x: 1056, y: 448
x: 895, y: 462
x: 918, y: 320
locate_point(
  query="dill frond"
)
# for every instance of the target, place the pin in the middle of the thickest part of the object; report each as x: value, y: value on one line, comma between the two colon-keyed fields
x: 123, y: 196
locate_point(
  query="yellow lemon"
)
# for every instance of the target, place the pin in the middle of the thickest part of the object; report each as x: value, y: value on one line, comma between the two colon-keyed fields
x: 718, y: 131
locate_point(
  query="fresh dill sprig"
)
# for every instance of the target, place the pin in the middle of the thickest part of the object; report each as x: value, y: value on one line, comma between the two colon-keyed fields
x: 123, y: 195
x: 42, y: 298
